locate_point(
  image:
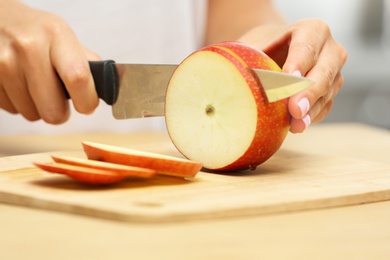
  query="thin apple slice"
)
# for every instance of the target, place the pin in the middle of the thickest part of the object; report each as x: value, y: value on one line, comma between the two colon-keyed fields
x: 128, y: 171
x: 82, y: 174
x: 163, y: 164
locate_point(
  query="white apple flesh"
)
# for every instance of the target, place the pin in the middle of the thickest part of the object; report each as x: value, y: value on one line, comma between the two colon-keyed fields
x: 216, y: 112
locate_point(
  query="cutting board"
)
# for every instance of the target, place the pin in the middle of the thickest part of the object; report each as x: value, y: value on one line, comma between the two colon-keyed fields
x: 290, y: 181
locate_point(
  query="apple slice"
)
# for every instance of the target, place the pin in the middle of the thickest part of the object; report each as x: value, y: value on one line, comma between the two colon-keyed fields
x: 83, y: 174
x: 216, y: 110
x: 128, y: 171
x: 163, y: 164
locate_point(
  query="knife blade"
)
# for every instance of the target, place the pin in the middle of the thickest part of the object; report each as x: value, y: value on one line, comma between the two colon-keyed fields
x: 138, y: 90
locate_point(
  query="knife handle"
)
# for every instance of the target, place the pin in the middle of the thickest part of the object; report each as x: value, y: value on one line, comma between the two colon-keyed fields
x: 106, y: 78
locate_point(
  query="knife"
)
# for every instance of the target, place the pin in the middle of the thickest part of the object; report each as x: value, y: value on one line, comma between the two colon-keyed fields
x: 138, y: 90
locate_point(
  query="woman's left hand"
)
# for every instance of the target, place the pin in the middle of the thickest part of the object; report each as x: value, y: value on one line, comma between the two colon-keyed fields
x: 304, y: 48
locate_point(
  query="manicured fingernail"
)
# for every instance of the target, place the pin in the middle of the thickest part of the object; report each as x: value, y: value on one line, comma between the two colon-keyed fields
x: 304, y: 106
x: 306, y: 119
x: 297, y: 73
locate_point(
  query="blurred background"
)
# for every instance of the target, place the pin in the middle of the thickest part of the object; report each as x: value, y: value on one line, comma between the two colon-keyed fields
x: 363, y: 28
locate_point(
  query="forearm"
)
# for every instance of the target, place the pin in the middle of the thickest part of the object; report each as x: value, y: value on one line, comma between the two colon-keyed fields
x: 231, y: 19
x: 8, y: 4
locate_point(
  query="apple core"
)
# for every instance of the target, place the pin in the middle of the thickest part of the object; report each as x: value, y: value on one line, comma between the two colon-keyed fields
x: 210, y: 110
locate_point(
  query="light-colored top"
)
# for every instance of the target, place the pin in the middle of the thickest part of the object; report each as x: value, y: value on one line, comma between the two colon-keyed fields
x: 147, y: 31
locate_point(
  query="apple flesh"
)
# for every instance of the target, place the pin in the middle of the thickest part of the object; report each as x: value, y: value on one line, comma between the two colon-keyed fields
x: 216, y: 110
x: 162, y: 164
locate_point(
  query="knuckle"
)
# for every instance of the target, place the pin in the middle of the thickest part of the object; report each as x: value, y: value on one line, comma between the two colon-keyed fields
x: 311, y: 50
x: 3, y: 65
x: 26, y: 46
x: 32, y: 37
x: 307, y: 49
x: 19, y: 40
x: 6, y: 61
x: 77, y: 75
x: 55, y: 27
x: 319, y: 25
x: 323, y: 27
x: 328, y: 76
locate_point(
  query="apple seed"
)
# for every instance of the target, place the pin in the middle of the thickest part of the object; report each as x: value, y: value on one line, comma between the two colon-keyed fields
x: 210, y: 110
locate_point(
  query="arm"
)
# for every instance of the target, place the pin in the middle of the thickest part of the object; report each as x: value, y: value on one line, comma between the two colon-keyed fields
x: 229, y: 20
x: 35, y: 48
x: 305, y: 47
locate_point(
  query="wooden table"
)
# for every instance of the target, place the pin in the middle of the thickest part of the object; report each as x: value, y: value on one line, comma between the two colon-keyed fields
x: 353, y: 232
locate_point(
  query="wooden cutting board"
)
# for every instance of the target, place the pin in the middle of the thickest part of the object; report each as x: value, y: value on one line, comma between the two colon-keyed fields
x: 288, y: 182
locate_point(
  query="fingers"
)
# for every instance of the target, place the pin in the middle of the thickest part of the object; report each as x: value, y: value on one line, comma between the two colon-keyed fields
x: 34, y: 57
x: 41, y: 81
x: 308, y: 37
x: 305, y: 48
x: 320, y: 58
x: 5, y: 103
x: 14, y: 94
x: 328, y: 81
x: 69, y: 59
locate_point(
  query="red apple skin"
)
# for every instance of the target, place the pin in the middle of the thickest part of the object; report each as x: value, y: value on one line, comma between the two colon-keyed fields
x: 82, y: 174
x: 159, y: 163
x: 273, y: 118
x: 124, y: 170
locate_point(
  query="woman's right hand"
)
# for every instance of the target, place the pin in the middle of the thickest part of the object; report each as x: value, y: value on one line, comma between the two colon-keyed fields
x: 36, y: 49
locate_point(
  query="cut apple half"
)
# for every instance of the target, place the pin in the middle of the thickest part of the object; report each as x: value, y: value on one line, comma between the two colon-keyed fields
x: 83, y: 174
x: 216, y: 112
x: 209, y: 109
x: 163, y: 164
x: 128, y: 171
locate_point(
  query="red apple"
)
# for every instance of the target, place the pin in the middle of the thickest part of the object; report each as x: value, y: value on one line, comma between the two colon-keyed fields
x: 83, y: 174
x: 216, y: 110
x: 127, y: 171
x: 163, y: 164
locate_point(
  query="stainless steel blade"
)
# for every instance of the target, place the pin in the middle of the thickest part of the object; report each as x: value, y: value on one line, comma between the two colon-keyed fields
x: 142, y: 90
x: 278, y: 85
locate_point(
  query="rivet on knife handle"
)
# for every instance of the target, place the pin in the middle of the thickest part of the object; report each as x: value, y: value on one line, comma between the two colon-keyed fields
x: 106, y: 78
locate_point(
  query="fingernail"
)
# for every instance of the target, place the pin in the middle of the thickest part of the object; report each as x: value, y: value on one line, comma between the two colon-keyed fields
x: 304, y: 106
x: 306, y: 119
x: 297, y: 73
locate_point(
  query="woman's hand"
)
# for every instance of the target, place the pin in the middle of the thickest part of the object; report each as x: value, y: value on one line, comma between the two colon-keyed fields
x: 304, y: 48
x: 36, y: 48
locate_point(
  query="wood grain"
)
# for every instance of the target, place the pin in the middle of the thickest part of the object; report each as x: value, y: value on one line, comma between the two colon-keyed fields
x: 290, y: 181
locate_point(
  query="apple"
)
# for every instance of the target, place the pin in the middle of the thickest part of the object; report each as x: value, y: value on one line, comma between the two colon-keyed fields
x: 128, y: 171
x: 83, y: 174
x: 163, y: 164
x: 216, y: 110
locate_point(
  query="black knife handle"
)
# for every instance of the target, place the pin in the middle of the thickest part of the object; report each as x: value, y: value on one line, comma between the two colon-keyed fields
x: 106, y: 78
